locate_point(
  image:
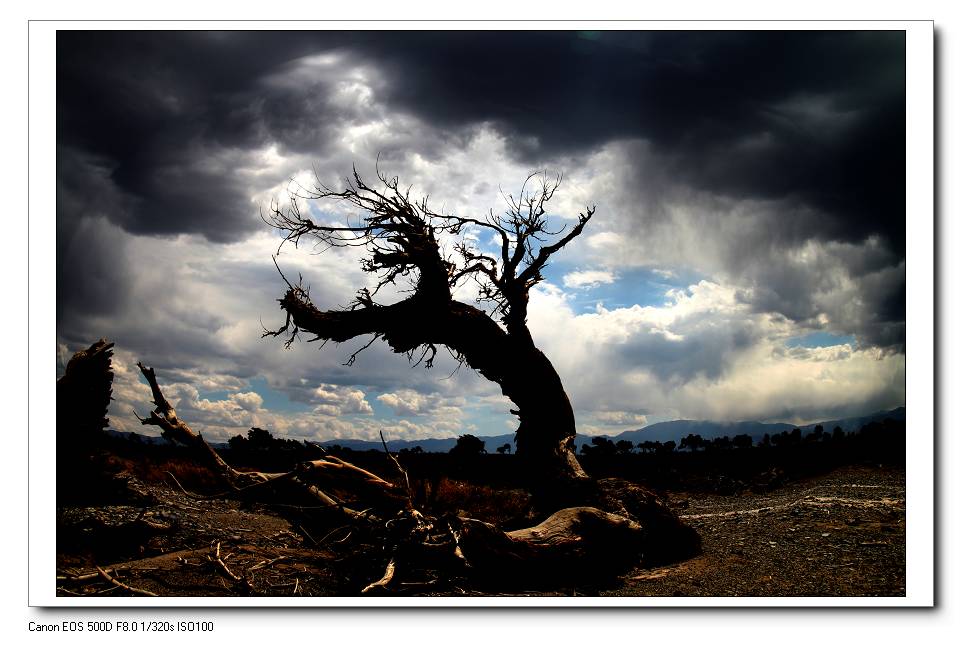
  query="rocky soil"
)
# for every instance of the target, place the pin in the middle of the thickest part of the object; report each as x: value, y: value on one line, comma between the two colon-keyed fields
x: 837, y: 535
x: 842, y: 534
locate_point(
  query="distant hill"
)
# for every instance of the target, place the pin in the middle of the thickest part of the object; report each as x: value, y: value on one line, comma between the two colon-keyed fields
x: 134, y: 436
x: 491, y: 443
x: 153, y: 440
x: 678, y: 429
x: 854, y: 424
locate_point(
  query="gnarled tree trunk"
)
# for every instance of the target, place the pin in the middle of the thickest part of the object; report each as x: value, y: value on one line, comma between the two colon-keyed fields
x: 402, y: 238
x: 545, y: 437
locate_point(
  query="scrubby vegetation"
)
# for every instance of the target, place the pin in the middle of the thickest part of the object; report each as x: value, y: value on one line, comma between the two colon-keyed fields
x: 490, y: 485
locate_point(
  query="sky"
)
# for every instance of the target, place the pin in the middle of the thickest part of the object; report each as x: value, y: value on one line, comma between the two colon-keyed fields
x: 746, y: 259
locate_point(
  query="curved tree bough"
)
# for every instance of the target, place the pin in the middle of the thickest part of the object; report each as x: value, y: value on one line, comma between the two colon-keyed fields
x: 572, y: 543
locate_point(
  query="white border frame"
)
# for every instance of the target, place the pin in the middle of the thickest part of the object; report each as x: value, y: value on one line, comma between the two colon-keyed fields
x: 920, y: 321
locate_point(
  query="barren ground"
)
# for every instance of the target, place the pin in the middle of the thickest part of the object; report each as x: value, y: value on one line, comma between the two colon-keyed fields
x: 837, y: 535
x: 842, y: 534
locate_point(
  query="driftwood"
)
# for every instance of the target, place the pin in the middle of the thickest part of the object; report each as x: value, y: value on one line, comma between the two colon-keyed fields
x: 573, y: 542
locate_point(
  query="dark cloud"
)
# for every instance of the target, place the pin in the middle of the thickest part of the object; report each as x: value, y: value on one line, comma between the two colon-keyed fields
x: 91, y: 273
x: 91, y: 259
x: 706, y: 350
x: 840, y: 288
x: 147, y: 112
x: 815, y: 116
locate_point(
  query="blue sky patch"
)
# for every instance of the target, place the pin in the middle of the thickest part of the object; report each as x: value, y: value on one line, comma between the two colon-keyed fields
x: 819, y: 340
x: 636, y: 286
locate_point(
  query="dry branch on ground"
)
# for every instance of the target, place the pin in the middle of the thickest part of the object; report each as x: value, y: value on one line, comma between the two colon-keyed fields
x: 571, y: 542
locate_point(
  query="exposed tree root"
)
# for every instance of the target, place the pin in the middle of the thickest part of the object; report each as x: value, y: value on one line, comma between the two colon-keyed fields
x: 616, y: 524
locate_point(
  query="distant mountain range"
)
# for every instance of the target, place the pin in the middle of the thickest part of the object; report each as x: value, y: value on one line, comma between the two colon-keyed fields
x: 678, y: 429
x: 133, y: 435
x: 659, y: 432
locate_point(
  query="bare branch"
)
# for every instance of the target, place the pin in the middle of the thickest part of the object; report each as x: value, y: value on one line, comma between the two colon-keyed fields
x: 120, y: 584
x: 545, y: 252
x: 350, y: 361
x: 407, y: 481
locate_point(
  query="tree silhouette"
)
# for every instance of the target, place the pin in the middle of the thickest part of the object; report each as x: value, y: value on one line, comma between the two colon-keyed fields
x: 403, y: 238
x: 600, y: 446
x: 237, y: 443
x: 468, y: 445
x: 838, y: 434
x: 817, y: 435
x: 603, y: 445
x: 624, y: 446
x: 692, y: 442
x: 259, y: 438
x: 720, y: 443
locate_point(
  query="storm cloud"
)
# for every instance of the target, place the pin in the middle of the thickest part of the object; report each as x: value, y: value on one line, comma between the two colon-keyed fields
x: 768, y: 163
x: 815, y: 116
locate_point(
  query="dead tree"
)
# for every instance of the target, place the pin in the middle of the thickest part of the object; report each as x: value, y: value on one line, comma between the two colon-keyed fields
x: 84, y: 394
x: 403, y: 239
x: 83, y: 397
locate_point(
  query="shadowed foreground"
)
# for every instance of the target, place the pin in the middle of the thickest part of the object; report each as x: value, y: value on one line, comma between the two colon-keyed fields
x: 842, y: 534
x: 597, y: 528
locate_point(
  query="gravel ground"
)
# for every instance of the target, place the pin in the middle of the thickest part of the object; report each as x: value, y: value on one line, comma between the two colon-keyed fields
x: 837, y: 535
x: 842, y: 534
x: 171, y: 546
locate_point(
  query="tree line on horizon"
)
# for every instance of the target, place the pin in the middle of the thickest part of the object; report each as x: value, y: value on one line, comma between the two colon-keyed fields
x: 693, y: 461
x: 258, y: 440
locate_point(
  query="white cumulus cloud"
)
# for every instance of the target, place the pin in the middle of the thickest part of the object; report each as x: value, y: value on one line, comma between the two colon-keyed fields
x: 588, y: 278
